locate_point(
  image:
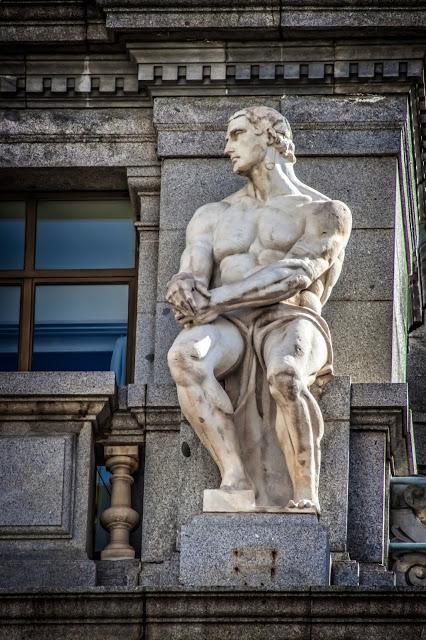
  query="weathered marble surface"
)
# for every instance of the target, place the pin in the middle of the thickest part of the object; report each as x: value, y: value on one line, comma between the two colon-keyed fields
x: 256, y: 270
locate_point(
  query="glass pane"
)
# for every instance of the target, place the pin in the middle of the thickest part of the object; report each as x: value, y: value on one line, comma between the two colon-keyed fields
x: 85, y: 234
x: 81, y: 328
x: 12, y: 234
x: 10, y: 298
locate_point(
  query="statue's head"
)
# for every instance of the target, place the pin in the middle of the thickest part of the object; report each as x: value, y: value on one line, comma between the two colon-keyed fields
x: 251, y: 132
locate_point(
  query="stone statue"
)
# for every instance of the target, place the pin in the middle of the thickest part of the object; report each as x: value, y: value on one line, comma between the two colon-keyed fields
x: 257, y: 269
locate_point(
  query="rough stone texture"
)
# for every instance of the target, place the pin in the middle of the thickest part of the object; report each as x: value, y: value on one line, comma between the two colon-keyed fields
x: 136, y: 395
x: 191, y: 184
x: 22, y: 505
x: 70, y: 540
x: 366, y: 274
x: 144, y: 347
x: 335, y: 398
x: 334, y: 477
x: 53, y: 572
x: 161, y: 395
x: 366, y: 357
x: 371, y: 197
x: 367, y: 496
x: 375, y: 575
x: 208, y: 614
x: 417, y: 369
x: 77, y: 137
x: 378, y: 396
x: 161, y: 498
x: 419, y: 426
x: 197, y: 472
x: 401, y: 289
x: 172, y: 244
x: 344, y: 571
x: 67, y: 383
x: 262, y: 550
x: 165, y: 332
x: 117, y: 573
x: 147, y: 271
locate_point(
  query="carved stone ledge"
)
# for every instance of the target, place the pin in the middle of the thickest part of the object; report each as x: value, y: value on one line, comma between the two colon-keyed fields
x: 53, y: 396
x: 219, y: 62
x: 375, y: 406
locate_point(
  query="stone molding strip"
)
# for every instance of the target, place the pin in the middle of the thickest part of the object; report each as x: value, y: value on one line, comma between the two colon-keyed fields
x: 114, y: 75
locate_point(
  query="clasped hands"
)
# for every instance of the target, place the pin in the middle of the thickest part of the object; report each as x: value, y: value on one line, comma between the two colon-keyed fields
x: 190, y: 300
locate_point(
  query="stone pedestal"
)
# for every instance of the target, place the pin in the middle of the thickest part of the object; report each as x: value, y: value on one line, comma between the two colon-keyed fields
x: 255, y: 550
x: 47, y: 426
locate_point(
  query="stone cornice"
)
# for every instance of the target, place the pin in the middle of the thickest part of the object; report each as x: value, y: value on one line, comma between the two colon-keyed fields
x: 233, y: 64
x: 273, y: 18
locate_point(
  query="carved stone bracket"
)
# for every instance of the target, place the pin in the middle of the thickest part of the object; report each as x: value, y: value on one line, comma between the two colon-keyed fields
x: 119, y: 519
x: 410, y: 569
x: 408, y: 530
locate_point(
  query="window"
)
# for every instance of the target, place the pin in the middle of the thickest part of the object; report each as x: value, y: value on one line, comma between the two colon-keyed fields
x: 67, y: 283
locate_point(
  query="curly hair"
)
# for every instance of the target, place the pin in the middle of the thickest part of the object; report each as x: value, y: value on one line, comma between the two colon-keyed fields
x: 266, y: 119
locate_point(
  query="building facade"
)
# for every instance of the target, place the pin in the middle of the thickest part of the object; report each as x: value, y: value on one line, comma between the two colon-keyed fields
x: 112, y: 133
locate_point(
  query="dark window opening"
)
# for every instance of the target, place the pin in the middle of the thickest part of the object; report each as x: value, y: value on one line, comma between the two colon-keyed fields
x: 67, y: 283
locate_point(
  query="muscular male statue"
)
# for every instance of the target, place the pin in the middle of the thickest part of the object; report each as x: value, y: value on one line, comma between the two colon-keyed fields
x: 257, y: 269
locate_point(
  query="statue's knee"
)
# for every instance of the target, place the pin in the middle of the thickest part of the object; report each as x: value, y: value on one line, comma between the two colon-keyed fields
x: 286, y: 383
x: 183, y: 363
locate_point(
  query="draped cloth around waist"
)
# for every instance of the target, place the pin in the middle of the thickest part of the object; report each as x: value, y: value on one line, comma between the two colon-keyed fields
x: 254, y: 408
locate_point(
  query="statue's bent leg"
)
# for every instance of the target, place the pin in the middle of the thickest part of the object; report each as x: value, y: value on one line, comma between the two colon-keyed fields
x: 197, y: 359
x: 293, y: 356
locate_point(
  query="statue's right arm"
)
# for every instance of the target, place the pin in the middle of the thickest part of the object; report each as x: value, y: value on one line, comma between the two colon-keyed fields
x: 189, y: 287
x: 197, y: 258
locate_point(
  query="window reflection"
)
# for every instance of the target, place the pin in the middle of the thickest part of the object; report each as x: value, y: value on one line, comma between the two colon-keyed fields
x: 12, y: 234
x: 81, y: 328
x: 10, y: 298
x: 85, y: 234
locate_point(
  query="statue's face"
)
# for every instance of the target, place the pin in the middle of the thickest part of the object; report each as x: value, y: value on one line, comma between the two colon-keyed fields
x: 245, y: 148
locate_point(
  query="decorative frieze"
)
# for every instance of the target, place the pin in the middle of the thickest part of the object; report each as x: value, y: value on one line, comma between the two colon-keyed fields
x: 217, y: 62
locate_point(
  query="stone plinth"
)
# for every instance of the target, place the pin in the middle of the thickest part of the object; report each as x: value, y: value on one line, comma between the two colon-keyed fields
x: 47, y: 426
x: 256, y: 550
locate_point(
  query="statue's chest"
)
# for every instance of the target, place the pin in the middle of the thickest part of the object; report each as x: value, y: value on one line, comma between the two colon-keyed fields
x: 235, y: 231
x: 279, y: 230
x: 253, y: 229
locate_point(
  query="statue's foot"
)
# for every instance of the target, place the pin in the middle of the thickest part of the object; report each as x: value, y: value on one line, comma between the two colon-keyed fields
x: 232, y: 482
x: 303, y: 503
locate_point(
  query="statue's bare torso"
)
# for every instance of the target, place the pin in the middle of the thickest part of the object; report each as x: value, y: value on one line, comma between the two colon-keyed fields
x: 248, y: 235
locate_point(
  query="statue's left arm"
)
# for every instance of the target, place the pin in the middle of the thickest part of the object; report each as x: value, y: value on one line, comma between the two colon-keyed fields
x: 326, y: 234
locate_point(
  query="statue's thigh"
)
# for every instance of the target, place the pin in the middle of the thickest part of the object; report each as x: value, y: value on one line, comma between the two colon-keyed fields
x: 298, y: 345
x: 218, y: 345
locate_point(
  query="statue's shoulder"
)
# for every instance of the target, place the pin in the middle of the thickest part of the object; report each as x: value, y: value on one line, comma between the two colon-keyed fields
x: 332, y: 215
x: 205, y: 218
x: 209, y: 213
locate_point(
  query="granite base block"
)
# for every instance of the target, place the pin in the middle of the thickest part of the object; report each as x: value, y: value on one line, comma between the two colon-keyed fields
x: 117, y: 573
x: 372, y: 574
x: 256, y: 550
x: 46, y: 573
x: 344, y: 571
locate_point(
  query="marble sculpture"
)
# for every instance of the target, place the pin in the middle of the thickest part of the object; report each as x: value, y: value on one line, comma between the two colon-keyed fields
x: 257, y: 269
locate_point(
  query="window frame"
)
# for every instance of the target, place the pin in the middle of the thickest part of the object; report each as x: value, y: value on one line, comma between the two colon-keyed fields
x: 29, y: 277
